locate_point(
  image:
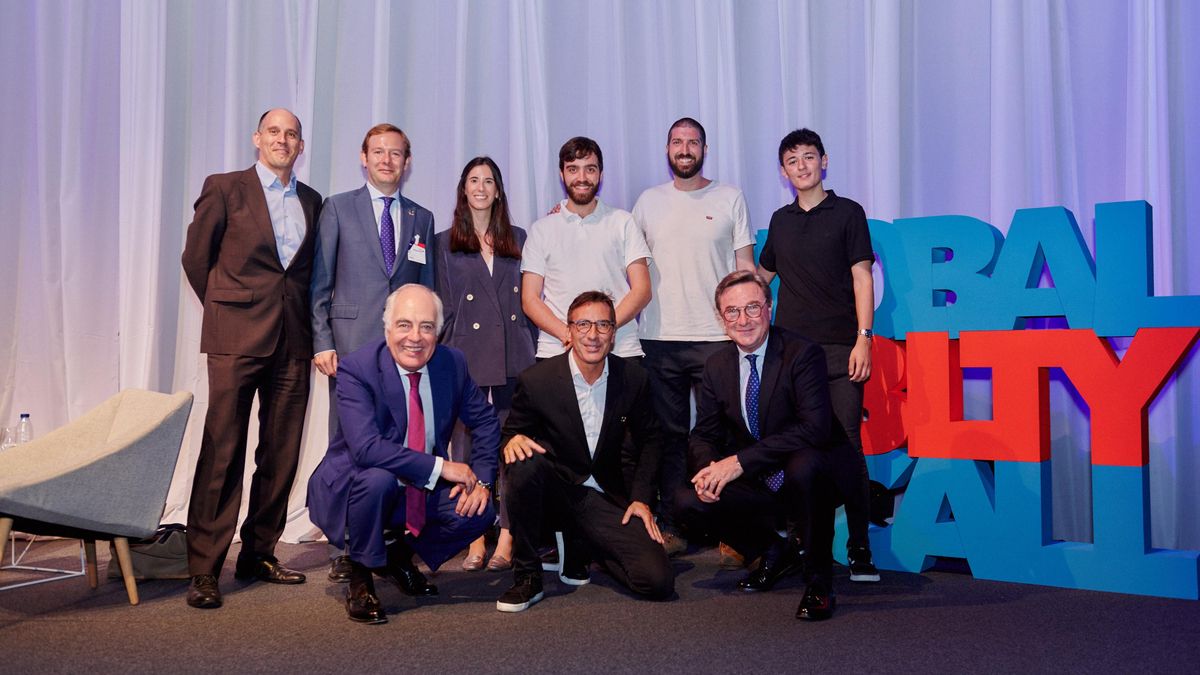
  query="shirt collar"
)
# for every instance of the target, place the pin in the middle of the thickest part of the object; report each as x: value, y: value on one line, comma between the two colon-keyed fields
x: 270, y: 180
x: 826, y: 203
x: 376, y: 194
x: 761, y: 351
x: 572, y: 217
x: 577, y: 374
x: 423, y: 370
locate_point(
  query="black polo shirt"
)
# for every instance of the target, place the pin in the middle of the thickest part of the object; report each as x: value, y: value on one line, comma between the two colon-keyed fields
x: 812, y: 252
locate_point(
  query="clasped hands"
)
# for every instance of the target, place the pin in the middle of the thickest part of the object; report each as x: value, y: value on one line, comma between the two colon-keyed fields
x: 712, y: 479
x: 472, y: 497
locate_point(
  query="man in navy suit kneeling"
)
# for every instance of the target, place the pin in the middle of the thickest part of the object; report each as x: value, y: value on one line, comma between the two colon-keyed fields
x: 386, y: 487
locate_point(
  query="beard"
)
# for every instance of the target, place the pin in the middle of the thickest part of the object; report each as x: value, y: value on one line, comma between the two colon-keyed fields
x: 690, y: 171
x: 582, y: 194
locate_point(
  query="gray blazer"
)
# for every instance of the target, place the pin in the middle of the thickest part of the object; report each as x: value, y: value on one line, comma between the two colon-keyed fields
x: 349, y: 280
x: 483, y: 312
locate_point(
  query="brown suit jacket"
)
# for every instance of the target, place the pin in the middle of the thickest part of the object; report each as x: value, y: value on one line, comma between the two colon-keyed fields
x: 230, y: 260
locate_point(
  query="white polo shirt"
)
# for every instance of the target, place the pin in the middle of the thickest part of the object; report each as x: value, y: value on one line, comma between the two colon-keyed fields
x: 574, y: 255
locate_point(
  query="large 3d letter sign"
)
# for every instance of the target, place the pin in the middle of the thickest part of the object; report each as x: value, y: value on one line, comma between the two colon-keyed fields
x: 957, y: 295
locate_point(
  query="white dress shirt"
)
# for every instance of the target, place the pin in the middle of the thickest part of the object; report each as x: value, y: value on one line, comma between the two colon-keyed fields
x: 426, y: 392
x: 287, y: 216
x: 590, y: 398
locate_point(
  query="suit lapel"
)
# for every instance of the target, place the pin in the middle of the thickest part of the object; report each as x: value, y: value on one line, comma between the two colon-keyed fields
x: 488, y: 281
x: 395, y: 391
x: 252, y: 194
x: 406, y: 232
x: 365, y: 213
x: 772, y: 367
x: 616, y: 382
x: 441, y: 384
x: 570, y: 403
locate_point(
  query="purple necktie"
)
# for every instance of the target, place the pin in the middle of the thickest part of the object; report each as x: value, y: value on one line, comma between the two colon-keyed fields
x: 775, y: 480
x: 414, y: 496
x: 387, y: 235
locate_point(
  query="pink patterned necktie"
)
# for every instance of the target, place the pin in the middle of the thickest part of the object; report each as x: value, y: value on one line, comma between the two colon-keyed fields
x: 414, y: 496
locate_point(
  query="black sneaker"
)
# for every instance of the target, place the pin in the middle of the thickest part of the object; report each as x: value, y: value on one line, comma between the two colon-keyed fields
x: 573, y: 569
x: 861, y: 567
x: 525, y: 593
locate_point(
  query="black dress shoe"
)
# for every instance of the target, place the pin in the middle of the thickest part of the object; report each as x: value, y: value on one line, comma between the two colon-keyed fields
x: 780, y: 560
x: 270, y: 571
x: 339, y: 569
x: 817, y: 604
x: 362, y: 604
x: 401, y: 571
x: 203, y: 592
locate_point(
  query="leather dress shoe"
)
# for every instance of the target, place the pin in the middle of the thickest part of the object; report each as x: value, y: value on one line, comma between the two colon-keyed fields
x: 203, y: 592
x: 408, y: 579
x: 472, y: 563
x: 339, y: 569
x: 362, y: 604
x: 270, y: 571
x: 778, y: 562
x: 817, y: 604
x: 499, y: 563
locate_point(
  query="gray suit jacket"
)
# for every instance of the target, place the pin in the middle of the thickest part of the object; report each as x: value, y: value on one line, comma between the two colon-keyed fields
x: 349, y: 280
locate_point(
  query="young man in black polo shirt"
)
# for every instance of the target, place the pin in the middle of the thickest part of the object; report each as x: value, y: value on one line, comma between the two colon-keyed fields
x: 820, y: 247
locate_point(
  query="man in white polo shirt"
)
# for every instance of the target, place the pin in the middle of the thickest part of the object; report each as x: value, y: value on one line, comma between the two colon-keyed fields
x: 698, y: 231
x: 583, y: 245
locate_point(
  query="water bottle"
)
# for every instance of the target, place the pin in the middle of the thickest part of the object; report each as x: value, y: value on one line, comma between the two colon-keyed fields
x: 24, y: 429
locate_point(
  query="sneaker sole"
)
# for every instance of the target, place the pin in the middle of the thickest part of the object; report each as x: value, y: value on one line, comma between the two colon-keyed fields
x: 574, y: 582
x: 864, y: 578
x: 519, y: 606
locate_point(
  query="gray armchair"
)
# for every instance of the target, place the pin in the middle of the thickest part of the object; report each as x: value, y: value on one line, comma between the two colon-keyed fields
x: 104, y: 476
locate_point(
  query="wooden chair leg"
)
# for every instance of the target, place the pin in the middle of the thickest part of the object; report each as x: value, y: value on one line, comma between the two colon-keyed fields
x: 126, y: 563
x: 6, y: 525
x: 89, y: 553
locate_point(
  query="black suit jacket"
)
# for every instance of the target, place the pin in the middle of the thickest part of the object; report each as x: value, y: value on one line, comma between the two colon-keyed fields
x: 231, y: 261
x: 794, y: 409
x: 546, y: 410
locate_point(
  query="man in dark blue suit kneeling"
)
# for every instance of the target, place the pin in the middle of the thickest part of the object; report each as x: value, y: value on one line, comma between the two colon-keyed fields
x: 386, y: 487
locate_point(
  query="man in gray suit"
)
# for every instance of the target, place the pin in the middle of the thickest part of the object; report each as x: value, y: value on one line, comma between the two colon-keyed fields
x: 371, y: 241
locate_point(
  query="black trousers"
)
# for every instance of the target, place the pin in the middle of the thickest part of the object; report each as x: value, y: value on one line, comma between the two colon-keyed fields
x: 847, y: 464
x: 536, y: 491
x: 748, y: 515
x: 675, y: 369
x: 460, y: 441
x: 281, y: 384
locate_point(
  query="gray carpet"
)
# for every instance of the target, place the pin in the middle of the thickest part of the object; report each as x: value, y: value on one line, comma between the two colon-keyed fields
x: 933, y: 622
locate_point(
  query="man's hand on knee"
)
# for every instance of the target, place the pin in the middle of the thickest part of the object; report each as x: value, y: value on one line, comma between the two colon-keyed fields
x: 641, y: 510
x: 520, y: 448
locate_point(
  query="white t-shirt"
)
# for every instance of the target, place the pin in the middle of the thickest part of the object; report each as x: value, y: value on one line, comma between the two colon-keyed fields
x: 692, y: 236
x: 574, y: 255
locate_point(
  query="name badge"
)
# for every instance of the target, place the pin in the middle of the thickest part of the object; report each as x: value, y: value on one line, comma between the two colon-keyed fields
x: 416, y: 251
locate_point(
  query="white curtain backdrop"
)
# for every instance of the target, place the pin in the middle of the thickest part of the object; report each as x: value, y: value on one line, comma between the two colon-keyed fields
x: 113, y: 112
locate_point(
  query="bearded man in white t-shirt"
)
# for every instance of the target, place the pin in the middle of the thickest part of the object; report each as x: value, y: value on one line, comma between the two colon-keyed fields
x: 698, y: 231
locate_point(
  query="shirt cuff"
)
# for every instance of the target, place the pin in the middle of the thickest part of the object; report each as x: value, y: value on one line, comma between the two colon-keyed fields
x: 437, y: 473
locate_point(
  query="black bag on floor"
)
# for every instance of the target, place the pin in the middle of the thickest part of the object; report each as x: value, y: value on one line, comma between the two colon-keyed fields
x: 162, y: 555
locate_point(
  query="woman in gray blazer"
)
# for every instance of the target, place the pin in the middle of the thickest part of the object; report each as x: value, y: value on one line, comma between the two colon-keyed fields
x: 479, y: 281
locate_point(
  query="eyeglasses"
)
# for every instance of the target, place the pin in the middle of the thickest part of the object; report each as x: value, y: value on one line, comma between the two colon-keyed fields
x: 603, y: 327
x: 753, y: 311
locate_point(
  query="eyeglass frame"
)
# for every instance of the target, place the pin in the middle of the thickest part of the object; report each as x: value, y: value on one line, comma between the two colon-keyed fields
x: 760, y: 306
x: 584, y: 326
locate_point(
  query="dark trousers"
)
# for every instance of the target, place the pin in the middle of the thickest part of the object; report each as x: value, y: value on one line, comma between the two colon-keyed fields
x: 847, y: 464
x: 748, y: 515
x: 281, y: 384
x: 460, y: 441
x: 675, y: 369
x: 627, y: 552
x: 376, y: 506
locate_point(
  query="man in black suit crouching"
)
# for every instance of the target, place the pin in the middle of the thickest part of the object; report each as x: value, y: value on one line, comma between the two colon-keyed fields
x: 564, y: 444
x: 760, y: 446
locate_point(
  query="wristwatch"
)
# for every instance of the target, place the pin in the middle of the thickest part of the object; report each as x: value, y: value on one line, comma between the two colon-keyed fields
x: 866, y: 332
x: 486, y: 486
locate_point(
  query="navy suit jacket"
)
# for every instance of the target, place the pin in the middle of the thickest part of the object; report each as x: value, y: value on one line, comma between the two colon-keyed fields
x: 794, y: 410
x: 372, y: 402
x: 349, y: 279
x: 483, y: 312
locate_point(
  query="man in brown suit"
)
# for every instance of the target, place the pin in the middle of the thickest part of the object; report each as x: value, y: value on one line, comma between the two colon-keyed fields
x: 248, y: 255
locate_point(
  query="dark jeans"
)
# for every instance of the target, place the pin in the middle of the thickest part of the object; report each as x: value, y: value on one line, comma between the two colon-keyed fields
x: 675, y: 368
x: 848, y: 466
x: 460, y: 441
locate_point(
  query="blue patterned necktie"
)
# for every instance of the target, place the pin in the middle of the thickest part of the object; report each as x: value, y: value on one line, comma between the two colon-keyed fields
x: 387, y: 235
x: 775, y: 480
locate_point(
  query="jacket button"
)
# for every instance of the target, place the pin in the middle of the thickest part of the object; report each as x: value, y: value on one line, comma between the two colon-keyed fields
x: 475, y: 326
x: 514, y: 317
x: 470, y: 297
x: 515, y: 289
